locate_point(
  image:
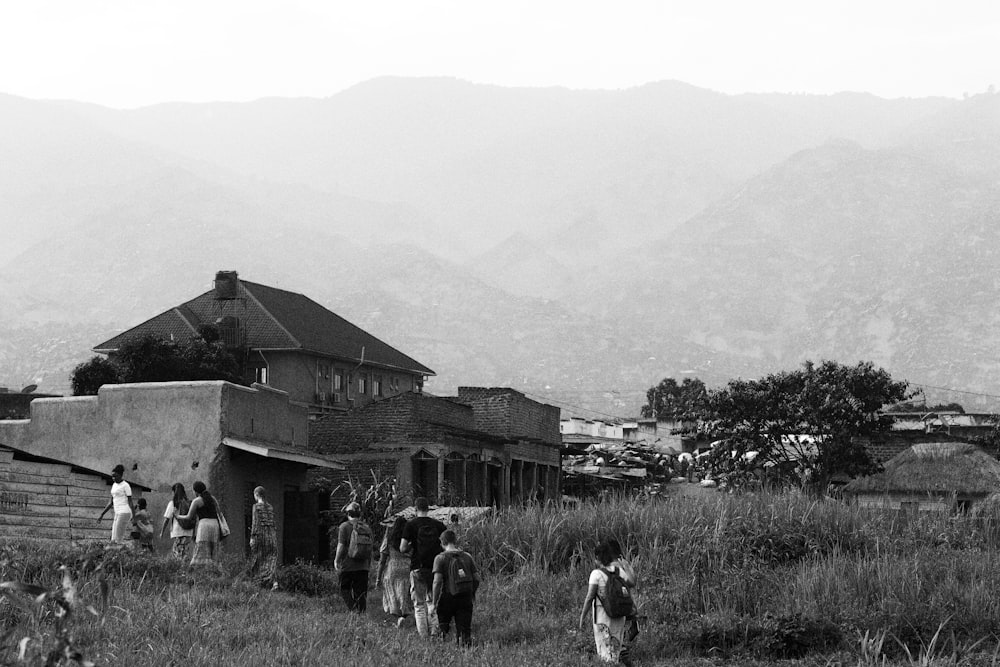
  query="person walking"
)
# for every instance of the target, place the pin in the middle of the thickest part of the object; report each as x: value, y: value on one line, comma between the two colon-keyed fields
x: 394, y: 574
x: 205, y: 509
x: 609, y: 628
x: 180, y: 536
x: 628, y: 574
x: 353, y: 559
x: 263, y: 541
x: 422, y: 541
x: 121, y: 501
x: 456, y: 580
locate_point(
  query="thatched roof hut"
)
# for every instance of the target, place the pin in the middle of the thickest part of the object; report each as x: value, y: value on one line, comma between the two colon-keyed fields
x: 931, y: 474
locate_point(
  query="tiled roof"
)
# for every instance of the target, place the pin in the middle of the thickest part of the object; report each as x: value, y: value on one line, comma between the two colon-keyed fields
x: 274, y: 319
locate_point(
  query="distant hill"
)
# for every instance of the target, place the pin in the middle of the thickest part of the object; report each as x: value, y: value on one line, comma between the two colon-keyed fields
x: 579, y: 245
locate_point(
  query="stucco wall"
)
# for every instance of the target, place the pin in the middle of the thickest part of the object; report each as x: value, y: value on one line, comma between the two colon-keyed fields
x: 171, y: 432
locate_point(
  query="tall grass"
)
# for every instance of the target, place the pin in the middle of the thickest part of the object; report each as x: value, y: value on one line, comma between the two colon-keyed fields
x: 737, y: 578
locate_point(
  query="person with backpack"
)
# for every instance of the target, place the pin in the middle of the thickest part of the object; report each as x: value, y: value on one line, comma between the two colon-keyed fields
x: 608, y: 603
x: 455, y: 583
x: 353, y: 558
x: 422, y: 540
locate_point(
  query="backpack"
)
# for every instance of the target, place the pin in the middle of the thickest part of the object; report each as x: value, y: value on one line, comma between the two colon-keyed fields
x: 360, y: 547
x: 618, y: 601
x: 461, y: 580
x: 428, y: 544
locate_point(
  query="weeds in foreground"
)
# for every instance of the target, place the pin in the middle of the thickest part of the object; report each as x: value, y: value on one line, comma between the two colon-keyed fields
x: 60, y: 604
x: 744, y: 580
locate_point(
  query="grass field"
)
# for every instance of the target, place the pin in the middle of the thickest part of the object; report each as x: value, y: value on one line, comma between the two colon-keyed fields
x: 753, y: 579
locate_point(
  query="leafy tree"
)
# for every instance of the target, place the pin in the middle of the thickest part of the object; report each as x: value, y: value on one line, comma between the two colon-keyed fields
x: 669, y: 400
x: 811, y: 421
x: 88, y: 376
x: 921, y: 406
x: 205, y: 360
x: 151, y: 359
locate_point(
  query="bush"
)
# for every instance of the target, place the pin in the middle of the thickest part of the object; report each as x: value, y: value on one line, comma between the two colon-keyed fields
x: 304, y: 577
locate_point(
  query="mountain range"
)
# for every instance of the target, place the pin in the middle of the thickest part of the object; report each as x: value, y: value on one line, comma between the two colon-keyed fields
x: 576, y: 245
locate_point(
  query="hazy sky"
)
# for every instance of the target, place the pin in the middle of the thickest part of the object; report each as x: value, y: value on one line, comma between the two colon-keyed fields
x: 126, y: 53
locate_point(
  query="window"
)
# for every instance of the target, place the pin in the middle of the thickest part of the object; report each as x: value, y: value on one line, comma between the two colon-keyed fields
x: 377, y: 386
x: 362, y: 384
x: 338, y: 381
x: 260, y: 375
x: 322, y: 374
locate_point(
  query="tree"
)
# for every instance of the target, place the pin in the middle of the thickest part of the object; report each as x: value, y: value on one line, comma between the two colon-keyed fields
x: 812, y: 421
x: 205, y: 360
x: 669, y: 400
x: 151, y: 359
x: 88, y: 376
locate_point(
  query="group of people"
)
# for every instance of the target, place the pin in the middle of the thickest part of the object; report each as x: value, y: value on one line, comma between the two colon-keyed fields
x: 421, y: 568
x: 200, y: 519
x: 423, y: 571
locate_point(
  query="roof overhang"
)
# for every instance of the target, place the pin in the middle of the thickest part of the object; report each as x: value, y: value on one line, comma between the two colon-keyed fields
x: 25, y: 455
x: 352, y: 360
x: 285, y: 453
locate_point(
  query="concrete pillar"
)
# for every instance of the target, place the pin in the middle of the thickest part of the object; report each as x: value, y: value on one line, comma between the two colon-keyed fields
x: 506, y: 483
x: 484, y: 477
x: 440, y: 477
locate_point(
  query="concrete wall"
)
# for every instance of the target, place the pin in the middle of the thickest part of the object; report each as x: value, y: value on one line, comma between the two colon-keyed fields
x: 171, y: 432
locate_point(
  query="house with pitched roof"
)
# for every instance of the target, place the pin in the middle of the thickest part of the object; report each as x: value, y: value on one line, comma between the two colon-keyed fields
x: 288, y: 341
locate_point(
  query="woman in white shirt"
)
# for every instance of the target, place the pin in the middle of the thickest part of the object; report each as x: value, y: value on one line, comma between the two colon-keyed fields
x: 178, y: 506
x: 121, y: 501
x: 609, y: 632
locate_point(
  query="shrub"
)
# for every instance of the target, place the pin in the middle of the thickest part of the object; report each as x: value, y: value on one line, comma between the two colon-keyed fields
x: 304, y: 577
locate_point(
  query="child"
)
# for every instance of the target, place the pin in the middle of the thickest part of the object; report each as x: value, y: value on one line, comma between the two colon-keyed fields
x: 143, y: 526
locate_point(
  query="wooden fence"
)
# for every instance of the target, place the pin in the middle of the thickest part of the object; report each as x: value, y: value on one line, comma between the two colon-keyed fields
x: 51, y: 501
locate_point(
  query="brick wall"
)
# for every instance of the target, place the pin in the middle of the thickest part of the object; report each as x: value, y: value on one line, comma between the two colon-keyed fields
x: 396, y: 419
x: 509, y: 413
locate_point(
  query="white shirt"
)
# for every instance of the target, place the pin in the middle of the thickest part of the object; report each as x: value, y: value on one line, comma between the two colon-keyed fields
x: 600, y: 579
x: 175, y: 528
x: 120, y: 493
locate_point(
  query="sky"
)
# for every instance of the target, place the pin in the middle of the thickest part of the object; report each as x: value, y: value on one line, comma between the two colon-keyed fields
x: 129, y: 53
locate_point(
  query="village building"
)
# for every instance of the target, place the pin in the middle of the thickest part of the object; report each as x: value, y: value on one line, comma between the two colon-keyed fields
x: 485, y: 446
x: 49, y: 500
x: 288, y: 341
x: 942, y: 476
x: 231, y: 437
